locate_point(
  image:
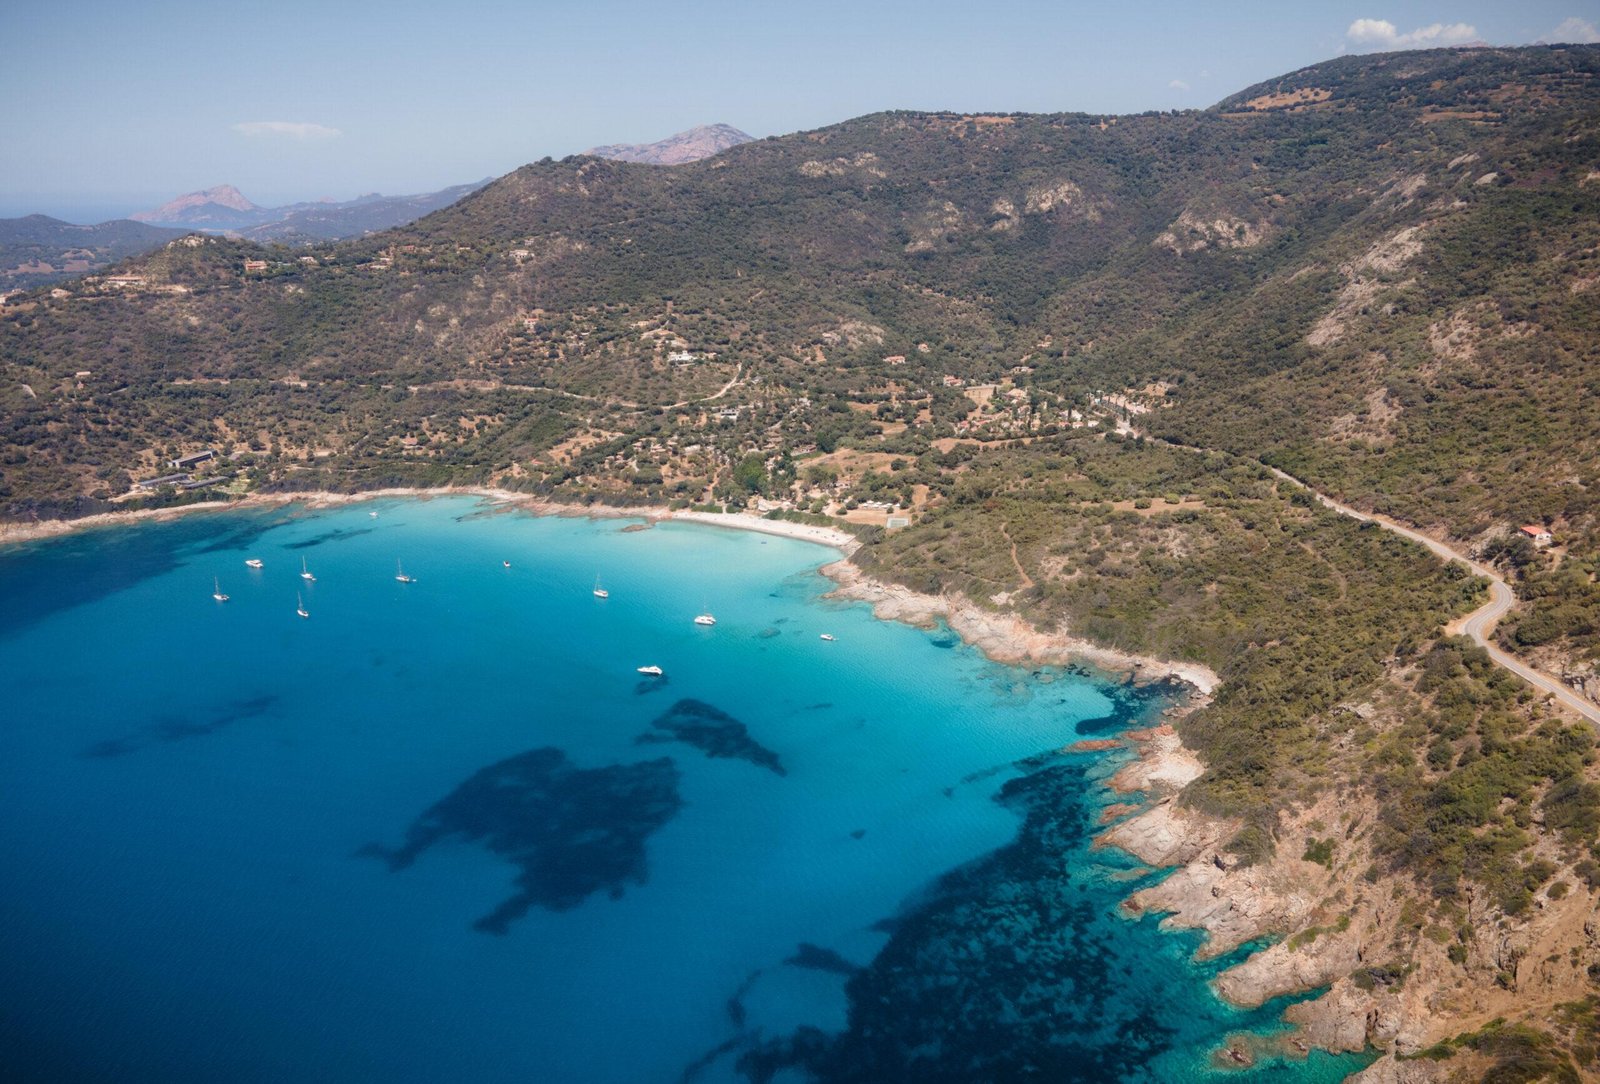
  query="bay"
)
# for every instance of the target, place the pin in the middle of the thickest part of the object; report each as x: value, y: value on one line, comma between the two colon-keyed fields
x: 444, y: 829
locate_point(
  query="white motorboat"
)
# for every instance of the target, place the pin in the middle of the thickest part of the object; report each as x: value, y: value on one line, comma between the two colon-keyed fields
x: 253, y: 562
x: 651, y: 671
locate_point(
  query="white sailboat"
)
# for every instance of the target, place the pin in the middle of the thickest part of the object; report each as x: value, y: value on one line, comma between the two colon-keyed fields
x: 305, y: 573
x: 705, y: 619
x: 400, y: 573
x: 216, y: 590
x: 300, y: 605
x: 600, y: 592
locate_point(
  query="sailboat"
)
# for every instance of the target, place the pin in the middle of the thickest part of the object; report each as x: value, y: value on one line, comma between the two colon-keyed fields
x: 705, y: 619
x: 305, y: 573
x: 216, y: 590
x: 400, y: 573
x: 300, y: 605
x: 600, y: 592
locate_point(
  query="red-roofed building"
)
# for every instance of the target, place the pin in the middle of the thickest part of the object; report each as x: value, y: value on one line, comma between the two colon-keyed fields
x: 1539, y: 535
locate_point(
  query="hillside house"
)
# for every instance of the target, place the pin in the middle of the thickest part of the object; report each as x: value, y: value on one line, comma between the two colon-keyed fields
x: 895, y: 359
x: 1539, y: 536
x: 255, y: 265
x: 193, y: 459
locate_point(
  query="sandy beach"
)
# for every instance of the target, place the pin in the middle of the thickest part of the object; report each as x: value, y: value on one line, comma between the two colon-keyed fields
x: 743, y: 521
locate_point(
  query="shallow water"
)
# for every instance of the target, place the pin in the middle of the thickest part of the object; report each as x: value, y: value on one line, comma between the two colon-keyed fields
x: 444, y: 830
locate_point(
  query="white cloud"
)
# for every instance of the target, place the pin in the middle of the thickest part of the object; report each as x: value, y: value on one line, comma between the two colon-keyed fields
x: 1574, y: 31
x: 1382, y: 34
x: 1178, y: 84
x: 288, y: 128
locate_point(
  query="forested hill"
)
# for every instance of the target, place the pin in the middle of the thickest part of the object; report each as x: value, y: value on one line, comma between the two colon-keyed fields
x: 1319, y: 267
x: 1212, y: 249
x: 37, y: 250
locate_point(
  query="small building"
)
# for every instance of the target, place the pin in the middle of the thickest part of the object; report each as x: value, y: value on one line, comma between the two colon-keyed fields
x: 954, y: 381
x: 164, y: 480
x: 683, y: 355
x: 193, y: 459
x: 895, y: 359
x: 255, y: 265
x: 1540, y: 536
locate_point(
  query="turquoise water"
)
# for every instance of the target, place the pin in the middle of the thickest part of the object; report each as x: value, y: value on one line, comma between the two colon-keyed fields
x: 444, y: 831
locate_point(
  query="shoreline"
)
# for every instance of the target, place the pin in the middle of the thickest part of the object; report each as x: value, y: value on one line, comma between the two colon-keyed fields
x: 804, y: 532
x: 1003, y: 638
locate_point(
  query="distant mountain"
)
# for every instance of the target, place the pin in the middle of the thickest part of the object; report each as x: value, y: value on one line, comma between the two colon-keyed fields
x: 675, y: 150
x: 224, y: 209
x: 38, y: 250
x: 223, y: 205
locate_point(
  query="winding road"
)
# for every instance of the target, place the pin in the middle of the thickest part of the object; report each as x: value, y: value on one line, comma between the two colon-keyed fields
x: 1479, y: 624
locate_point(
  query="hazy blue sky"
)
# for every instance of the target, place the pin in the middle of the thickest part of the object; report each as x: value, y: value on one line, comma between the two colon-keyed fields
x: 113, y: 107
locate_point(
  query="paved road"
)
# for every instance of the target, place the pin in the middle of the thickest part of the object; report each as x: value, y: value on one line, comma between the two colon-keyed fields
x: 1479, y: 624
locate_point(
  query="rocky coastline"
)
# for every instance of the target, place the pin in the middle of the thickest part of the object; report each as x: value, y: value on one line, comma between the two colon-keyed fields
x: 1004, y: 637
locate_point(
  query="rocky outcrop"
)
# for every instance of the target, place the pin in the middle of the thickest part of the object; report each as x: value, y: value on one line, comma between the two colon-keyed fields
x: 1194, y: 231
x: 1583, y: 680
x: 1006, y: 637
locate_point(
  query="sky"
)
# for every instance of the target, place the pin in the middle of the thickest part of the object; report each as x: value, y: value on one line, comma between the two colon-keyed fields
x: 114, y: 107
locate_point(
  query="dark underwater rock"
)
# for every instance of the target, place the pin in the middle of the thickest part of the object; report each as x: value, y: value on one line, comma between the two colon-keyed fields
x: 572, y: 831
x: 712, y: 731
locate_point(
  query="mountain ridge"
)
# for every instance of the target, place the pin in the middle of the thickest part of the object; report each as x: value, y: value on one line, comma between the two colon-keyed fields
x: 224, y: 209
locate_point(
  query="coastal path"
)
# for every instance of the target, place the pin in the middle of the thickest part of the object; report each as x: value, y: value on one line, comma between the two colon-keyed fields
x: 1479, y: 624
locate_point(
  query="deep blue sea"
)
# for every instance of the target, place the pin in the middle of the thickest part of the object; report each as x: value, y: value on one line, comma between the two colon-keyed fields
x: 444, y: 831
